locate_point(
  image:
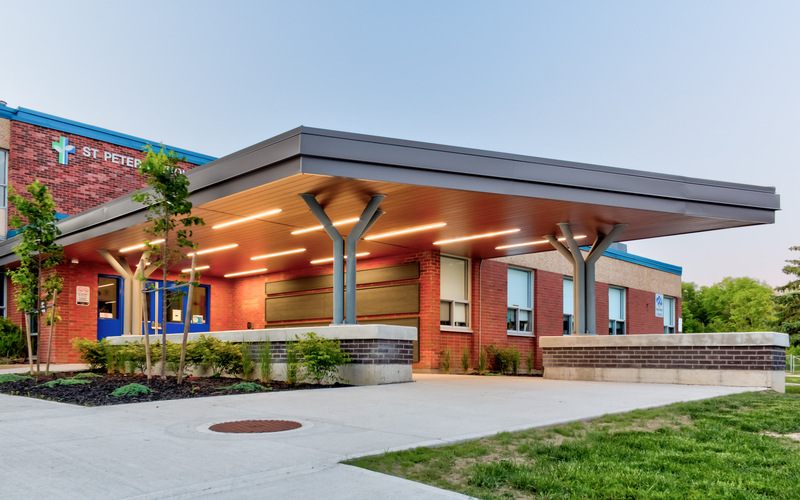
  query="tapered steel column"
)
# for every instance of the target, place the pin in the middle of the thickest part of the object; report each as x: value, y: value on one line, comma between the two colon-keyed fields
x: 367, y: 219
x: 338, y: 256
x: 601, y: 244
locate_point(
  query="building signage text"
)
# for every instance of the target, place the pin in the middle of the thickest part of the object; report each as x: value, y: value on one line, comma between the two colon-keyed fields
x: 64, y: 149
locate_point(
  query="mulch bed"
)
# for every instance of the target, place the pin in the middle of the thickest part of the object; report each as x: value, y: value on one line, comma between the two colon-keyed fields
x: 98, y: 391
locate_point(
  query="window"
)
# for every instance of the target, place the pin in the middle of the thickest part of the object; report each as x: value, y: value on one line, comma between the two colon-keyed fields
x: 175, y: 305
x: 520, y: 301
x: 3, y: 178
x: 199, y: 304
x: 616, y: 311
x: 107, y: 294
x: 4, y: 292
x: 454, y: 309
x: 568, y: 310
x: 669, y: 314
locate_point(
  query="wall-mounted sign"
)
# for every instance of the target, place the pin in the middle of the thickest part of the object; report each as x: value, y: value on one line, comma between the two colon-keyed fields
x: 64, y: 149
x: 82, y: 295
x: 659, y: 305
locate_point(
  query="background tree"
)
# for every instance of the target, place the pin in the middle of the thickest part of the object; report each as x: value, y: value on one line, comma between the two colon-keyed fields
x: 787, y: 303
x: 35, y: 279
x: 731, y: 305
x: 169, y: 210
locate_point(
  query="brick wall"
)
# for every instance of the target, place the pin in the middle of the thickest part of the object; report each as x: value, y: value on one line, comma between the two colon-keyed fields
x: 745, y: 357
x: 82, y: 184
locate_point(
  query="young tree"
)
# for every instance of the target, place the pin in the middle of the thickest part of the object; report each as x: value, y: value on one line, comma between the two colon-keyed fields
x: 169, y: 210
x: 35, y: 279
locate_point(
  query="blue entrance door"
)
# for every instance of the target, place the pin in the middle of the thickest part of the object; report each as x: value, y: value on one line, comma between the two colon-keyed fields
x: 176, y: 308
x: 109, y: 306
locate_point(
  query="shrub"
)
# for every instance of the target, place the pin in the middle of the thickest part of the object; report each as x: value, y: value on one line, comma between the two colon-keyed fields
x: 12, y: 340
x: 13, y: 377
x: 444, y: 361
x: 247, y: 360
x: 131, y: 390
x: 322, y: 357
x: 483, y: 361
x: 529, y: 360
x: 506, y: 360
x: 218, y: 356
x: 265, y: 356
x: 87, y: 375
x: 245, y: 387
x: 132, y: 357
x: 93, y: 354
x: 465, y: 359
x: 292, y: 364
x: 66, y: 381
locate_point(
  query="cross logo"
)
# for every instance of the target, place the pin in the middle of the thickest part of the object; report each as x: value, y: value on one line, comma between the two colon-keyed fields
x: 64, y: 150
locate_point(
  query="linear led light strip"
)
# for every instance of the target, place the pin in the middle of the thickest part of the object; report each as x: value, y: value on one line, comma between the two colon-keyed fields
x: 317, y: 228
x: 278, y: 254
x: 405, y: 231
x: 200, y: 268
x: 476, y: 236
x: 539, y: 242
x: 330, y: 259
x: 215, y: 249
x: 245, y: 219
x: 242, y: 273
x: 140, y: 245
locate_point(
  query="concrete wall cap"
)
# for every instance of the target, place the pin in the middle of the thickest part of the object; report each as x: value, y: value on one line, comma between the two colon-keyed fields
x: 341, y: 332
x: 688, y: 339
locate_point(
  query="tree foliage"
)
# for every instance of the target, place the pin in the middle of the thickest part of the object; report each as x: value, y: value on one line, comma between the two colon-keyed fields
x: 170, y: 212
x: 731, y: 305
x: 35, y: 279
x: 788, y: 301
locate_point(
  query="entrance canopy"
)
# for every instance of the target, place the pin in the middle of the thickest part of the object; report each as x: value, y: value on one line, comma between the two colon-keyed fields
x: 445, y: 198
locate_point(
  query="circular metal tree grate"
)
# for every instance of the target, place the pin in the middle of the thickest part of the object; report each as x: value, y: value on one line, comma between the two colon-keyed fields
x: 255, y: 426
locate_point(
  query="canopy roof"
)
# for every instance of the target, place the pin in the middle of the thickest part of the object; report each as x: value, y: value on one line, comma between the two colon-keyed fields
x: 472, y: 192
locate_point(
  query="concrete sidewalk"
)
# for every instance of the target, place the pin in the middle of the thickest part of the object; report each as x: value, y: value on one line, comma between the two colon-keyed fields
x: 165, y: 450
x: 75, y: 367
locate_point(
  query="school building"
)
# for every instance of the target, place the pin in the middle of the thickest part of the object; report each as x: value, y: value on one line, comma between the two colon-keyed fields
x: 315, y: 227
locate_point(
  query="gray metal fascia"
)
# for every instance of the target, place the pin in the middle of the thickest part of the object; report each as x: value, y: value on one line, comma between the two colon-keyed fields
x: 423, y: 156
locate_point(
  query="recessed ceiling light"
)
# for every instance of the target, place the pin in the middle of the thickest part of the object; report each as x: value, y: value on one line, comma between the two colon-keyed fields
x: 538, y: 242
x: 317, y: 228
x: 245, y: 219
x: 140, y: 245
x: 215, y: 249
x: 201, y: 268
x: 330, y: 259
x: 278, y: 254
x: 241, y: 273
x: 476, y: 236
x: 404, y: 231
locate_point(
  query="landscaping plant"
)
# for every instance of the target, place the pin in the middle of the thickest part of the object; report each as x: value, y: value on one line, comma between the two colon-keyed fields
x: 321, y: 357
x: 12, y: 340
x: 94, y: 354
x: 292, y: 363
x: 218, y: 356
x: 444, y: 361
x: 529, y: 361
x: 465, y: 359
x: 482, y: 361
x: 131, y: 390
x: 244, y: 387
x: 265, y: 358
x: 35, y: 278
x: 170, y: 212
x: 13, y: 377
x: 247, y: 360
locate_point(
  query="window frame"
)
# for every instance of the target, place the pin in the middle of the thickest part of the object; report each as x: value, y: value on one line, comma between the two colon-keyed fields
x: 669, y: 328
x: 568, y: 320
x: 4, y: 178
x: 612, y: 323
x: 450, y: 302
x: 516, y: 308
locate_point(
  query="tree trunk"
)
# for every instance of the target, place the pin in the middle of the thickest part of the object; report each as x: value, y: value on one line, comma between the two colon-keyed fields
x: 147, y: 361
x: 52, y: 327
x: 164, y: 266
x: 30, y: 346
x: 186, y: 319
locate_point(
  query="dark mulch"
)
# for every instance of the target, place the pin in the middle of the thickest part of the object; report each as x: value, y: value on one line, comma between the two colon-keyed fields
x: 98, y: 391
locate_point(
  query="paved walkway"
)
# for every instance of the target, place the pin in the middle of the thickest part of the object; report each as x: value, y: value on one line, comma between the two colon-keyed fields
x: 165, y: 450
x: 76, y: 367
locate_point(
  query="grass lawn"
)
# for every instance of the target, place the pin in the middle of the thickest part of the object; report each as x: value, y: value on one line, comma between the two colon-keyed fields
x: 727, y: 447
x: 793, y: 380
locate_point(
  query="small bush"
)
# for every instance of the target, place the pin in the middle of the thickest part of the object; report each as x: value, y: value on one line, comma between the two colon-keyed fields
x: 13, y: 377
x: 93, y: 354
x: 87, y: 375
x: 265, y: 356
x: 506, y: 360
x: 131, y: 390
x: 465, y: 359
x: 321, y: 357
x: 247, y: 360
x: 444, y: 360
x: 12, y: 340
x: 529, y: 360
x: 245, y: 387
x: 483, y: 361
x: 221, y: 357
x: 292, y: 364
x: 66, y: 381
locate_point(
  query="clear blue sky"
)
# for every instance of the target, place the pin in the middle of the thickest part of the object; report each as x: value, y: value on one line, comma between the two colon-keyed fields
x: 699, y: 88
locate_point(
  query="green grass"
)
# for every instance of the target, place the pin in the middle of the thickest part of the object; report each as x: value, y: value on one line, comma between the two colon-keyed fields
x: 717, y: 448
x: 793, y: 380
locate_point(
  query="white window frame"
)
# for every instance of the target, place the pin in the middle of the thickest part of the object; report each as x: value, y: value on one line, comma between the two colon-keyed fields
x: 669, y: 317
x: 450, y: 302
x: 4, y: 178
x: 515, y: 308
x: 568, y: 318
x: 613, y: 323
